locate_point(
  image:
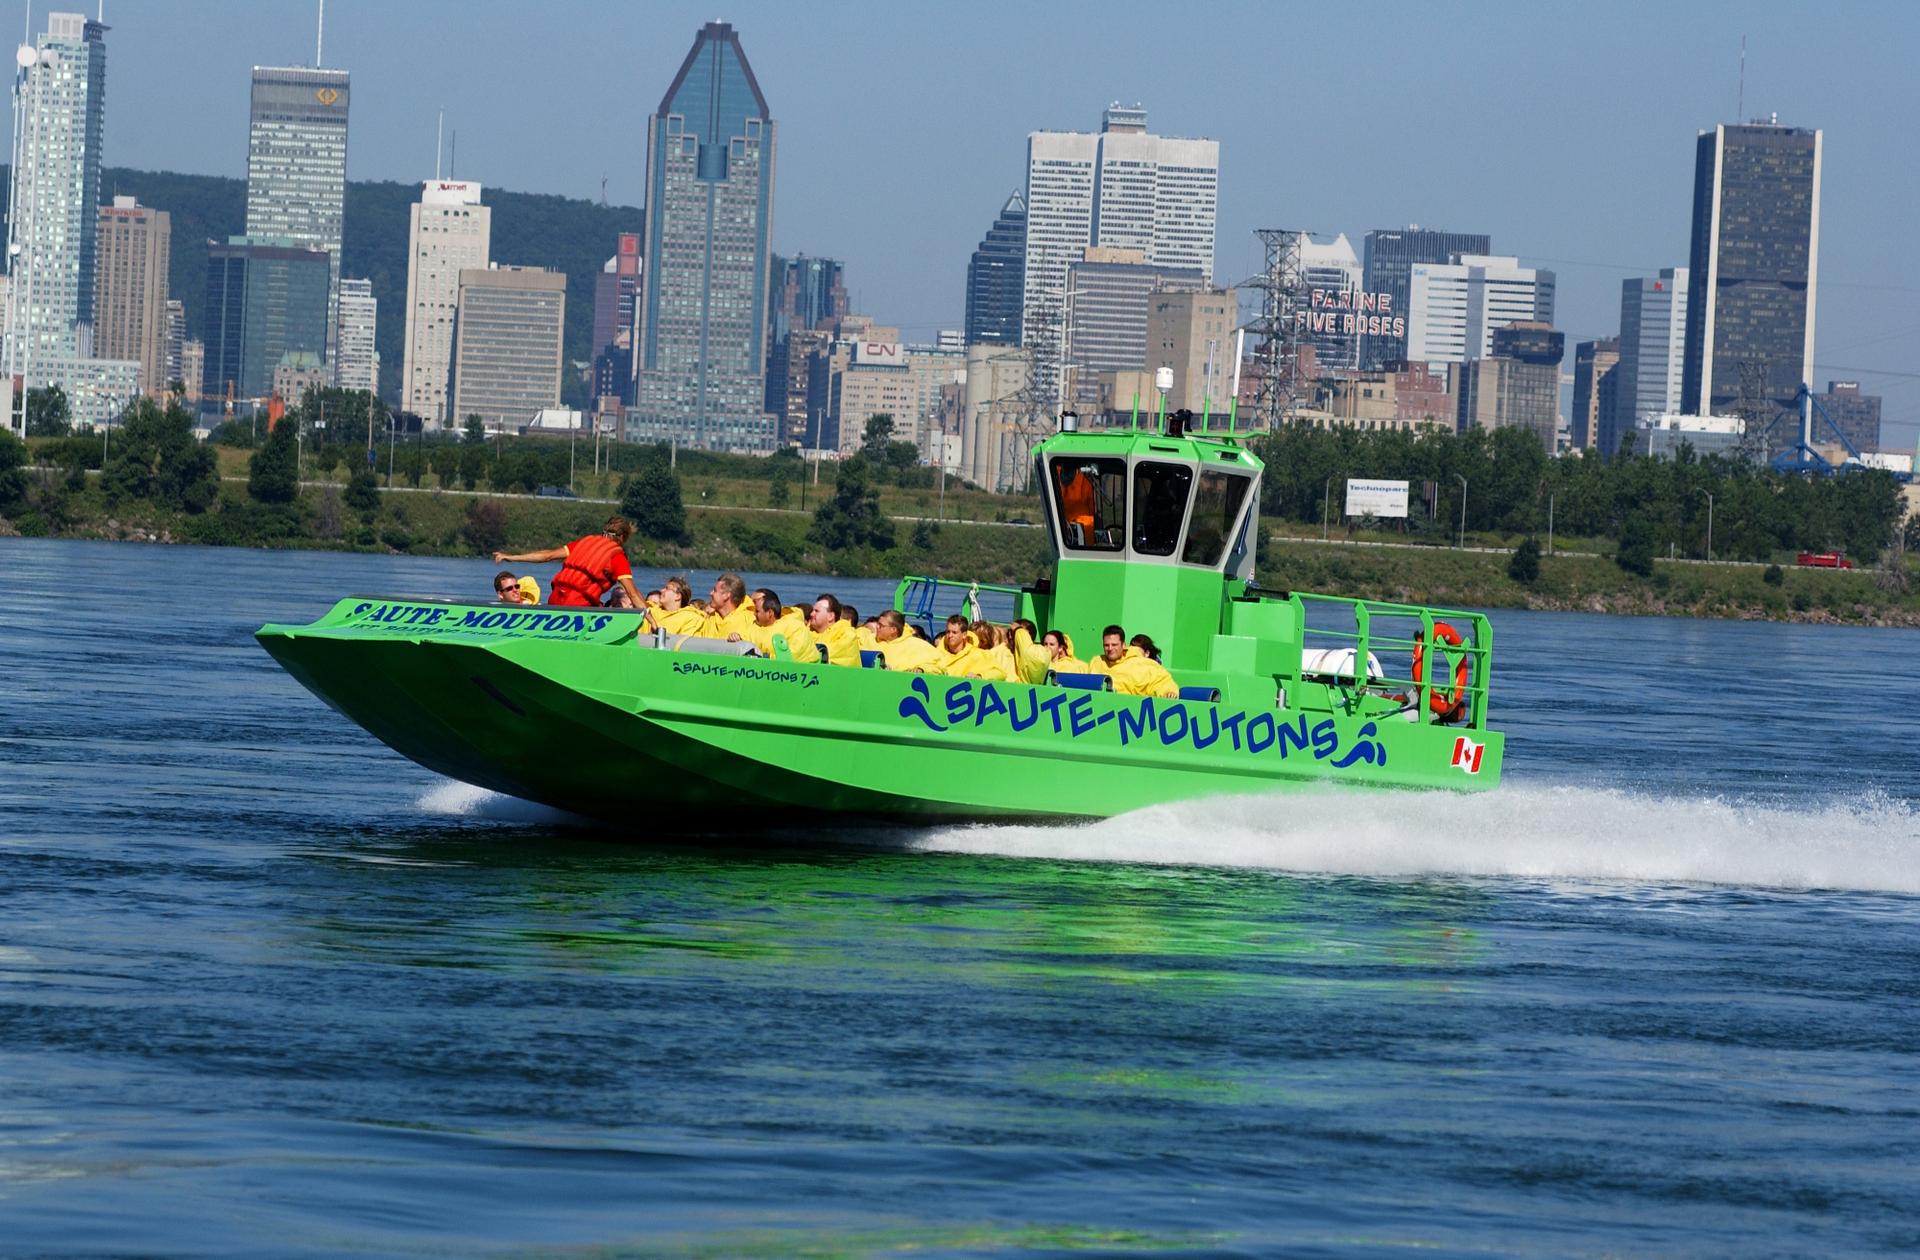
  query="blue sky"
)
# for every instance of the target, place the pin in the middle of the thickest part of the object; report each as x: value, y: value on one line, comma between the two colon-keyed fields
x: 1565, y: 131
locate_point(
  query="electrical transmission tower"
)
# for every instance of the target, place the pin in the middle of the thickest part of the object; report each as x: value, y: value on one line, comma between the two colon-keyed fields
x: 1759, y: 414
x: 1030, y: 414
x: 1276, y: 356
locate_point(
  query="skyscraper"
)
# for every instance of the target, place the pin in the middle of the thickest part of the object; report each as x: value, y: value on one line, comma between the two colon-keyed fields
x: 297, y: 167
x: 616, y: 296
x: 996, y: 278
x: 1755, y: 263
x: 803, y: 292
x: 1517, y: 386
x: 265, y: 302
x: 1454, y: 308
x: 358, y: 366
x: 702, y: 351
x: 56, y: 192
x: 1596, y: 380
x: 1653, y: 341
x: 451, y: 232
x: 1855, y: 414
x: 1123, y: 188
x: 130, y: 288
x: 1333, y: 275
x: 1390, y: 258
x: 1112, y: 290
x: 507, y: 344
x: 615, y: 290
x: 176, y: 348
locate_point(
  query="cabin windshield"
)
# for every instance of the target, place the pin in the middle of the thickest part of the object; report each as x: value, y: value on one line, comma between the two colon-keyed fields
x: 1160, y: 506
x: 1091, y: 497
x: 1214, y: 508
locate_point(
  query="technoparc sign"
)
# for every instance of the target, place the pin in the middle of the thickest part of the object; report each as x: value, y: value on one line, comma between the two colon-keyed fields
x: 1349, y: 311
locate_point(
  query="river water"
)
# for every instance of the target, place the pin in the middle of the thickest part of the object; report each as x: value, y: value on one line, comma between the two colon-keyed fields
x: 268, y: 989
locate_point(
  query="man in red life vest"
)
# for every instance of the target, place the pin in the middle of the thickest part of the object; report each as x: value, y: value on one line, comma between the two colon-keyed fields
x: 589, y: 566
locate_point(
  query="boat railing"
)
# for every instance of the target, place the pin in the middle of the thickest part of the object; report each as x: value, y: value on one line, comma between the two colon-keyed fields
x: 927, y: 601
x: 1377, y: 626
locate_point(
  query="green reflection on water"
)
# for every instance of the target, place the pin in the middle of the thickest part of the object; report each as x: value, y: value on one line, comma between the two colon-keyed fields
x: 834, y: 1244
x: 1186, y: 934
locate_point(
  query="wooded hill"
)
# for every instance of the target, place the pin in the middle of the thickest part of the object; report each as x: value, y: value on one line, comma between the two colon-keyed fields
x: 529, y: 229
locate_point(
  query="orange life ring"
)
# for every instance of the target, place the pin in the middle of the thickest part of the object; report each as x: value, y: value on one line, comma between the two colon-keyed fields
x: 1440, y: 700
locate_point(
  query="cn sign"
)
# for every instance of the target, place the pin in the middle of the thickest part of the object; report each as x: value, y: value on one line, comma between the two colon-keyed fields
x: 885, y: 352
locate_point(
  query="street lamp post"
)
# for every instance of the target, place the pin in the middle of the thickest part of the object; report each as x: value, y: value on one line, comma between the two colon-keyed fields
x: 1326, y: 493
x: 1709, y: 495
x: 1461, y: 478
x: 1550, y: 524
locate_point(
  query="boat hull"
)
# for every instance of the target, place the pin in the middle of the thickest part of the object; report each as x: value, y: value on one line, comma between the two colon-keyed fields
x: 575, y: 709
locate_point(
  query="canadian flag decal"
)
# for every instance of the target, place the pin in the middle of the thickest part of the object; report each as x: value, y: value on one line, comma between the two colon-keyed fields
x: 1466, y: 754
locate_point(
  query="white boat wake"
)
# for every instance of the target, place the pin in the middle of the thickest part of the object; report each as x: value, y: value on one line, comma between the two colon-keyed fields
x: 464, y: 800
x: 1522, y: 831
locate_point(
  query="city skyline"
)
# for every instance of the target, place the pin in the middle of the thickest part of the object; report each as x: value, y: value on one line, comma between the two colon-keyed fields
x: 1592, y: 178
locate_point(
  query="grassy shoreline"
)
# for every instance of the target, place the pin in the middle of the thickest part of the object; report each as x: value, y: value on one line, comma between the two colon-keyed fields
x: 723, y: 537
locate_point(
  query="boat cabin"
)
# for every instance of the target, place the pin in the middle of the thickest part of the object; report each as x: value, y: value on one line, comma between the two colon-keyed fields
x: 1148, y: 529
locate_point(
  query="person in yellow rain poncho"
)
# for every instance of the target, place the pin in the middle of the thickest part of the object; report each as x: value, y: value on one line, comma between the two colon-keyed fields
x: 903, y: 650
x: 843, y: 644
x: 675, y: 613
x: 995, y: 643
x: 1060, y: 657
x: 728, y: 609
x: 1031, y: 660
x: 769, y: 619
x: 962, y: 656
x: 1134, y: 673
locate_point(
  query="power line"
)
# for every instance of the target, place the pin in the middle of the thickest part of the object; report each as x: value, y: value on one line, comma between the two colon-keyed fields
x: 1823, y: 282
x: 1860, y: 371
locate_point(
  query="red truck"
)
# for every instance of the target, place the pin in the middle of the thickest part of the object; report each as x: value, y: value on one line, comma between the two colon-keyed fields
x: 1823, y: 560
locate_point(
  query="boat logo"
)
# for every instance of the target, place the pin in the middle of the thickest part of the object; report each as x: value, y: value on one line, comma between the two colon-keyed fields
x: 914, y: 705
x: 1144, y: 719
x: 1466, y: 754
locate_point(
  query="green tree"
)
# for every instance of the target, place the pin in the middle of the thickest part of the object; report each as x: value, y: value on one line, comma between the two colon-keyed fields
x: 873, y: 442
x: 473, y: 466
x: 1635, y: 552
x: 273, y: 475
x: 1772, y: 575
x: 13, y: 473
x: 1524, y: 567
x: 777, y: 491
x: 851, y: 517
x: 485, y: 528
x: 476, y: 430
x: 48, y: 414
x: 651, y: 500
x: 363, y: 492
x: 902, y: 458
x: 156, y: 457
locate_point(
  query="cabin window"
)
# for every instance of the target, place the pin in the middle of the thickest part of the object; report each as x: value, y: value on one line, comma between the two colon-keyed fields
x: 1159, y: 506
x: 1090, y: 497
x: 1215, y: 506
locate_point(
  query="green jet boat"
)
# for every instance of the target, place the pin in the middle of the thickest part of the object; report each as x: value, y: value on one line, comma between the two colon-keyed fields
x: 1153, y: 528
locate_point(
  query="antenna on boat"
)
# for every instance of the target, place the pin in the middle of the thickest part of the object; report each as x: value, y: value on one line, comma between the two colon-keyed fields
x: 1163, y: 381
x: 1133, y: 421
